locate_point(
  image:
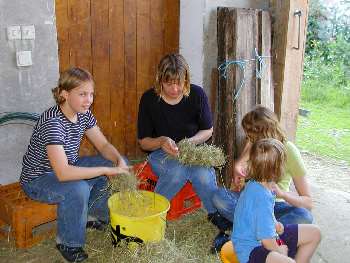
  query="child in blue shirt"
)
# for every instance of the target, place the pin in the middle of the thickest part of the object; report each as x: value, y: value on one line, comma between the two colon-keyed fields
x: 256, y: 233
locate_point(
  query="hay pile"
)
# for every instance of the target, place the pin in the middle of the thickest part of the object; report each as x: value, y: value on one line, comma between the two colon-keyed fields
x: 127, y: 182
x: 130, y: 202
x: 202, y: 155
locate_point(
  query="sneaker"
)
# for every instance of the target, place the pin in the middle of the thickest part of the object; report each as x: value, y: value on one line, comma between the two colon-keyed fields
x: 97, y: 224
x: 219, y: 221
x: 72, y: 254
x: 219, y: 241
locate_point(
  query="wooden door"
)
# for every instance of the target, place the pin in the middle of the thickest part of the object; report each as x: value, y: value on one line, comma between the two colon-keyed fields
x: 120, y: 42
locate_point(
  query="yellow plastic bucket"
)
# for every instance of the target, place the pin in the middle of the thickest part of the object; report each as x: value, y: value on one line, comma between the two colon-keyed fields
x: 138, y: 216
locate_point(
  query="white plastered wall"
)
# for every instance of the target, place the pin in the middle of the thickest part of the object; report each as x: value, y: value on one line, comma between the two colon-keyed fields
x: 198, y: 36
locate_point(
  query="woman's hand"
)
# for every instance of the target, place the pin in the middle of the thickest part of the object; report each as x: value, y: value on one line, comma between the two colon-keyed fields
x: 169, y: 146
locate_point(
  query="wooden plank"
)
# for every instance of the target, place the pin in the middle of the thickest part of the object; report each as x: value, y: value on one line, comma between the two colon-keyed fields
x: 80, y: 35
x: 100, y: 64
x: 225, y: 123
x: 144, y: 57
x: 171, y: 26
x: 130, y: 65
x: 157, y: 33
x: 117, y: 60
x: 62, y: 24
x: 246, y: 40
x: 265, y: 88
x: 288, y: 61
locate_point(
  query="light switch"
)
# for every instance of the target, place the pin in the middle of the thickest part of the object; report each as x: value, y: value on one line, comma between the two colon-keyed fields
x: 24, y: 58
x: 13, y: 32
x: 28, y: 32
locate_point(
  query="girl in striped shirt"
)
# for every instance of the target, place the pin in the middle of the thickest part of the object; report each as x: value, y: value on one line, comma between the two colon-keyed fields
x: 54, y: 173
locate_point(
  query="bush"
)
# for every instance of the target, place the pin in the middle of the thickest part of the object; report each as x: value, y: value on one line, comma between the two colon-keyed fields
x: 326, y: 73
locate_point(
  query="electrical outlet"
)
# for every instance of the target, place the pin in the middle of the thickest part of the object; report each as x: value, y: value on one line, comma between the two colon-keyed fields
x: 28, y: 32
x: 13, y: 32
x: 24, y: 58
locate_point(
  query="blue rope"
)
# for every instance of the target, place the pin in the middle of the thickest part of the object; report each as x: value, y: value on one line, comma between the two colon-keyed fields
x: 259, y: 69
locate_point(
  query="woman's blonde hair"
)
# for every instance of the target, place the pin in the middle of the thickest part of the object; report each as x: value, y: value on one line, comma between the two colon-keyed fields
x: 262, y: 123
x: 267, y: 159
x: 69, y: 80
x: 173, y: 67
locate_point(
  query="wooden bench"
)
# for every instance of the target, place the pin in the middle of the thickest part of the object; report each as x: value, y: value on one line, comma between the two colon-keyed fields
x: 21, y: 215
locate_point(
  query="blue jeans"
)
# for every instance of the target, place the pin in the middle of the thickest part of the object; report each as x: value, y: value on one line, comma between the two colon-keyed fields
x: 75, y: 200
x: 225, y: 202
x: 288, y: 214
x: 172, y: 176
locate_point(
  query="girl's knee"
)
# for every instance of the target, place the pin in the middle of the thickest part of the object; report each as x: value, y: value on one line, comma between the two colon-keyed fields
x: 309, y: 233
x: 275, y: 257
x: 316, y: 233
x: 81, y: 191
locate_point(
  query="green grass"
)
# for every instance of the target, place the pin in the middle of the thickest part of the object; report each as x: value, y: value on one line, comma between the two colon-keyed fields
x: 326, y: 131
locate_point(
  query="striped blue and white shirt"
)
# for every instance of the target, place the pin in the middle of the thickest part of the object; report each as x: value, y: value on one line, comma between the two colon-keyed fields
x: 53, y: 128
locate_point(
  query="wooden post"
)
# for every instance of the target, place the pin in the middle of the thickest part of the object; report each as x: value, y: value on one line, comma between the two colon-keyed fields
x: 265, y: 88
x: 289, y: 35
x: 237, y: 40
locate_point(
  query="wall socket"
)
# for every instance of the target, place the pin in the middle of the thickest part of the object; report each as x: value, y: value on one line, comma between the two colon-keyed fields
x: 24, y: 58
x: 14, y: 32
x: 28, y: 32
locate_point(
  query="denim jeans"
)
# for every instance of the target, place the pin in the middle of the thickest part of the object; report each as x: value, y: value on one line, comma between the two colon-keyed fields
x: 172, y: 176
x: 288, y: 214
x: 225, y: 202
x: 75, y: 200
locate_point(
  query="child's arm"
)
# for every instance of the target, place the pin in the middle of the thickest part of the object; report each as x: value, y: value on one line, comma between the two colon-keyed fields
x: 302, y: 198
x: 66, y: 172
x: 239, y: 169
x: 271, y: 244
x: 107, y: 150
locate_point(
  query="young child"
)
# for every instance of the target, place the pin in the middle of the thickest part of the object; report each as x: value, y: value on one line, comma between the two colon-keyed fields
x: 291, y: 207
x: 256, y: 231
x: 54, y: 173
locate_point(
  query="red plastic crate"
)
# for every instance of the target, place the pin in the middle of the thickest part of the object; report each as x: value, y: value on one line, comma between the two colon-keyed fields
x: 184, y: 202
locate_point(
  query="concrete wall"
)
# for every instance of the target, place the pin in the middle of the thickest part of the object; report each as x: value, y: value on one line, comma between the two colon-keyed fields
x: 28, y: 88
x: 198, y: 38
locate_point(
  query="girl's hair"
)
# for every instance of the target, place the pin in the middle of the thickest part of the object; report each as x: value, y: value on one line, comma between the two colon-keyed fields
x: 262, y: 123
x: 173, y: 67
x: 69, y: 80
x: 267, y: 159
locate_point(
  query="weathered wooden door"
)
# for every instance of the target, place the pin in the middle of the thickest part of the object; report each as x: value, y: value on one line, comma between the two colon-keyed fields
x: 120, y: 42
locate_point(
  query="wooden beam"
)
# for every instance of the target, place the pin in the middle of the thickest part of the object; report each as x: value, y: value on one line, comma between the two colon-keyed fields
x: 237, y: 40
x: 265, y: 89
x: 289, y: 35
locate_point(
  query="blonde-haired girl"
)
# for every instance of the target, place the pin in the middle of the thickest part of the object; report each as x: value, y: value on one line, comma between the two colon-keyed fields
x: 257, y: 234
x: 53, y: 172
